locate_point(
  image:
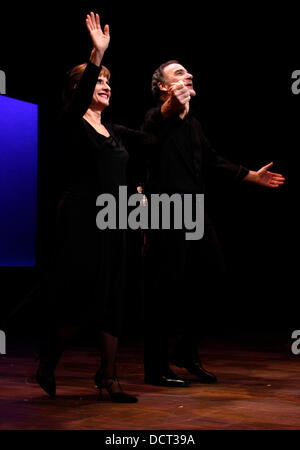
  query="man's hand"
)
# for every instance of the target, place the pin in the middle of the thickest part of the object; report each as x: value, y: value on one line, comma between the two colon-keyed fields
x: 100, y: 40
x: 265, y: 178
x: 179, y: 95
x: 178, y: 99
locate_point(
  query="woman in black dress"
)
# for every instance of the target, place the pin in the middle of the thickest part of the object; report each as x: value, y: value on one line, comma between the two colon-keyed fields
x: 87, y: 279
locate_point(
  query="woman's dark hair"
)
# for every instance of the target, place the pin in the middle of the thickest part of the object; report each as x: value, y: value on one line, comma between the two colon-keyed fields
x: 158, y: 77
x: 74, y: 76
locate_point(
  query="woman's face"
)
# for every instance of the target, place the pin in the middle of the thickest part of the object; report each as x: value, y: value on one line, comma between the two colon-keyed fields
x: 101, y: 94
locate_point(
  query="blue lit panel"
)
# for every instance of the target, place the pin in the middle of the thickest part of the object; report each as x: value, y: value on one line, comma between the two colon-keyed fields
x: 18, y: 181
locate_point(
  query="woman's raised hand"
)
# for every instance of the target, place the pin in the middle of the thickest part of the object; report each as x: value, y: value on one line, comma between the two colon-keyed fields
x: 99, y: 38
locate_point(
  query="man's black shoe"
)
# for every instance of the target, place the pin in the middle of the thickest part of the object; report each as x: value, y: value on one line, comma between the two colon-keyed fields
x: 195, y: 368
x: 169, y: 379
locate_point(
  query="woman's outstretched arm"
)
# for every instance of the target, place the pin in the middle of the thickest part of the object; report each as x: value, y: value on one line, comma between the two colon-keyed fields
x: 99, y: 38
x: 83, y: 93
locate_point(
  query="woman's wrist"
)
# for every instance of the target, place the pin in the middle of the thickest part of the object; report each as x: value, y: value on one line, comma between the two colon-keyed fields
x: 96, y: 56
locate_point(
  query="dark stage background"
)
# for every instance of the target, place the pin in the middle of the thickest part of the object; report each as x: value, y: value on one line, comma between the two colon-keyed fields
x: 242, y: 59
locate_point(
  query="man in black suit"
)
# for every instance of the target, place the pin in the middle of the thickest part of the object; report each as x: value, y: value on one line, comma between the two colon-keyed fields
x: 180, y: 273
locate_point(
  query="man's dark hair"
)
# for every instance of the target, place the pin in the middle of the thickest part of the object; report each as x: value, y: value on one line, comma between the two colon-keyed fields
x: 158, y: 77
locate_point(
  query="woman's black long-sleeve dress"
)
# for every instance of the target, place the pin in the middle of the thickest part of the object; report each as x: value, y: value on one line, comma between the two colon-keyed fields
x: 86, y: 281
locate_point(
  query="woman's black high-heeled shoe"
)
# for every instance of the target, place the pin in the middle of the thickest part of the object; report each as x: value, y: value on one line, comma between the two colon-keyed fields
x: 107, y: 383
x: 45, y: 372
x: 46, y: 379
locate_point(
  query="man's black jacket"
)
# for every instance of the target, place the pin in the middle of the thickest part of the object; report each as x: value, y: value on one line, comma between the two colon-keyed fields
x: 184, y: 158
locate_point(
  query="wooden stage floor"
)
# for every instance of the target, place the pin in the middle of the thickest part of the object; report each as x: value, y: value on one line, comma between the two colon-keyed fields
x: 258, y: 389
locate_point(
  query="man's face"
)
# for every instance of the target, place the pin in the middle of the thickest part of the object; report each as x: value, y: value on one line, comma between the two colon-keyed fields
x: 176, y: 72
